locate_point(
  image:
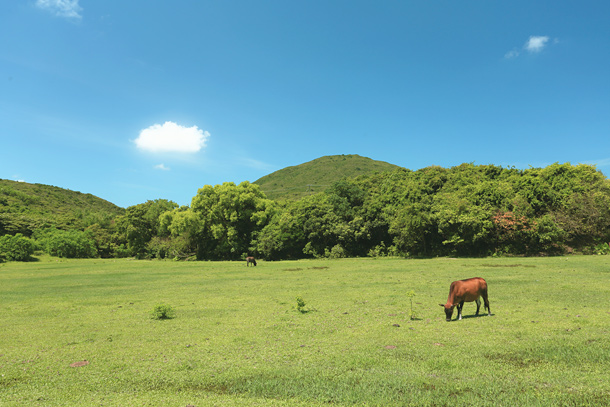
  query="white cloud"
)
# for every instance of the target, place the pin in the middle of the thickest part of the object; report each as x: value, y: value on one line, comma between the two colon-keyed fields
x: 172, y: 137
x: 536, y: 43
x: 61, y: 8
x: 162, y: 167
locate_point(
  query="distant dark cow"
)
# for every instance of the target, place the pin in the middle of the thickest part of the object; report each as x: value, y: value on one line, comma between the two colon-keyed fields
x: 249, y: 260
x: 466, y: 291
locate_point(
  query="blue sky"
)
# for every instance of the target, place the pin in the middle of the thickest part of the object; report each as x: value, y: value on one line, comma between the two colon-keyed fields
x: 137, y: 100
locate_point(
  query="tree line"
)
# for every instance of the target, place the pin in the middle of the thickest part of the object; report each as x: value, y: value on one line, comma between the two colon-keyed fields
x: 467, y: 210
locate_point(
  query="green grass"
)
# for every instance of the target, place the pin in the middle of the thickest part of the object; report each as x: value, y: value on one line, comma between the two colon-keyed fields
x: 237, y: 338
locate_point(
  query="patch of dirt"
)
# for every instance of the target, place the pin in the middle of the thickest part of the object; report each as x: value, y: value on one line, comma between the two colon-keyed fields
x: 79, y: 364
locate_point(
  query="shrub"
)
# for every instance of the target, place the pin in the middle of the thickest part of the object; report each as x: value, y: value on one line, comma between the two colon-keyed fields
x: 382, y: 251
x: 120, y: 251
x: 171, y: 248
x: 16, y: 248
x: 69, y: 244
x: 337, y: 252
x: 159, y: 247
x: 163, y: 311
x: 602, y: 248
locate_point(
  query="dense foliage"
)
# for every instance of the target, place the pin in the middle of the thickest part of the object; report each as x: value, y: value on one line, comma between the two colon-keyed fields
x: 16, y: 248
x: 55, y: 220
x: 221, y: 222
x: 467, y: 210
x: 482, y: 210
x: 137, y: 227
x: 73, y: 244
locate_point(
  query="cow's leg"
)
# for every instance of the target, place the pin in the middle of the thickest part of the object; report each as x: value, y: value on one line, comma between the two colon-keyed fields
x: 478, y: 305
x: 459, y: 307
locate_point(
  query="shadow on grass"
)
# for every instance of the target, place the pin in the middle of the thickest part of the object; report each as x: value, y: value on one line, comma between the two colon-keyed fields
x: 473, y: 316
x: 30, y: 259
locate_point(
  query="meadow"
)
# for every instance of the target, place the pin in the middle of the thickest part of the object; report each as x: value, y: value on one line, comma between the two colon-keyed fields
x: 80, y: 332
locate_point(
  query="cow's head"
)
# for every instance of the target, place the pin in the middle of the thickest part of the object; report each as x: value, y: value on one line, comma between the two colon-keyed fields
x: 448, y: 311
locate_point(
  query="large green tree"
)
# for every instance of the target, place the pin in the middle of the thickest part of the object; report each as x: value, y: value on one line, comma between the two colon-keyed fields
x: 140, y: 224
x: 228, y: 216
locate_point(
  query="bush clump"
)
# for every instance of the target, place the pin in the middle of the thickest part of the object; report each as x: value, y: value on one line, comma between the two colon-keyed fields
x: 16, y: 248
x: 163, y: 311
x: 72, y: 244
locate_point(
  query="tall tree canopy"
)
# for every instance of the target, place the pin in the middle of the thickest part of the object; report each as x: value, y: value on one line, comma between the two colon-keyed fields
x: 467, y: 210
x: 223, y: 219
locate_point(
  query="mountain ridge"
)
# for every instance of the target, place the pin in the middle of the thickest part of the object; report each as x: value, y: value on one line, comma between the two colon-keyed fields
x: 25, y: 207
x: 295, y: 182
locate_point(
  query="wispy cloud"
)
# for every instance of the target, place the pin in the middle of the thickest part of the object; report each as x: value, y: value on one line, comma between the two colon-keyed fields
x: 61, y: 8
x: 256, y: 164
x: 162, y: 167
x: 511, y: 54
x: 170, y: 137
x: 536, y: 43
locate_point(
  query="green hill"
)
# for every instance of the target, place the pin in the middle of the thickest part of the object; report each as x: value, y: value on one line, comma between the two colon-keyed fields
x: 315, y: 176
x: 26, y: 207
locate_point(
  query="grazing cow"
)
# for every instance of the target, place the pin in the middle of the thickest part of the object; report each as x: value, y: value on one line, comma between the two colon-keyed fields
x: 466, y: 291
x: 249, y: 260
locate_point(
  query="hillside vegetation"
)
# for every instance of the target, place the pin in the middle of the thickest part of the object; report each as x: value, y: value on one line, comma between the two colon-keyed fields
x: 26, y: 207
x: 467, y: 210
x: 295, y: 182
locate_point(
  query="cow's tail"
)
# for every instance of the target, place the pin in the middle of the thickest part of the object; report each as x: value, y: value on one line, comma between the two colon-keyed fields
x: 485, y: 299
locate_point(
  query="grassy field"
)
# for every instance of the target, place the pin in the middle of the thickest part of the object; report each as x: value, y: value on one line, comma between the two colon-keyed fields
x: 237, y: 338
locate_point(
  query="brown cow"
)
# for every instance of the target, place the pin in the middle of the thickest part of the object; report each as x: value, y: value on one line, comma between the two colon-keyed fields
x: 466, y: 291
x: 249, y: 260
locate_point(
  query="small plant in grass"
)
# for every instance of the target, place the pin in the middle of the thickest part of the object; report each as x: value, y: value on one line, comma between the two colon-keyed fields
x: 410, y: 295
x: 301, y: 306
x: 163, y: 311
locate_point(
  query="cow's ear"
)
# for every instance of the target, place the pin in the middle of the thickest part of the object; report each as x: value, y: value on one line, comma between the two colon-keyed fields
x: 442, y: 305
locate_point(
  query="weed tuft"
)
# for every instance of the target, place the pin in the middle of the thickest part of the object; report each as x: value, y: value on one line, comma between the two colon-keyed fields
x: 301, y: 306
x: 163, y: 311
x: 410, y: 295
